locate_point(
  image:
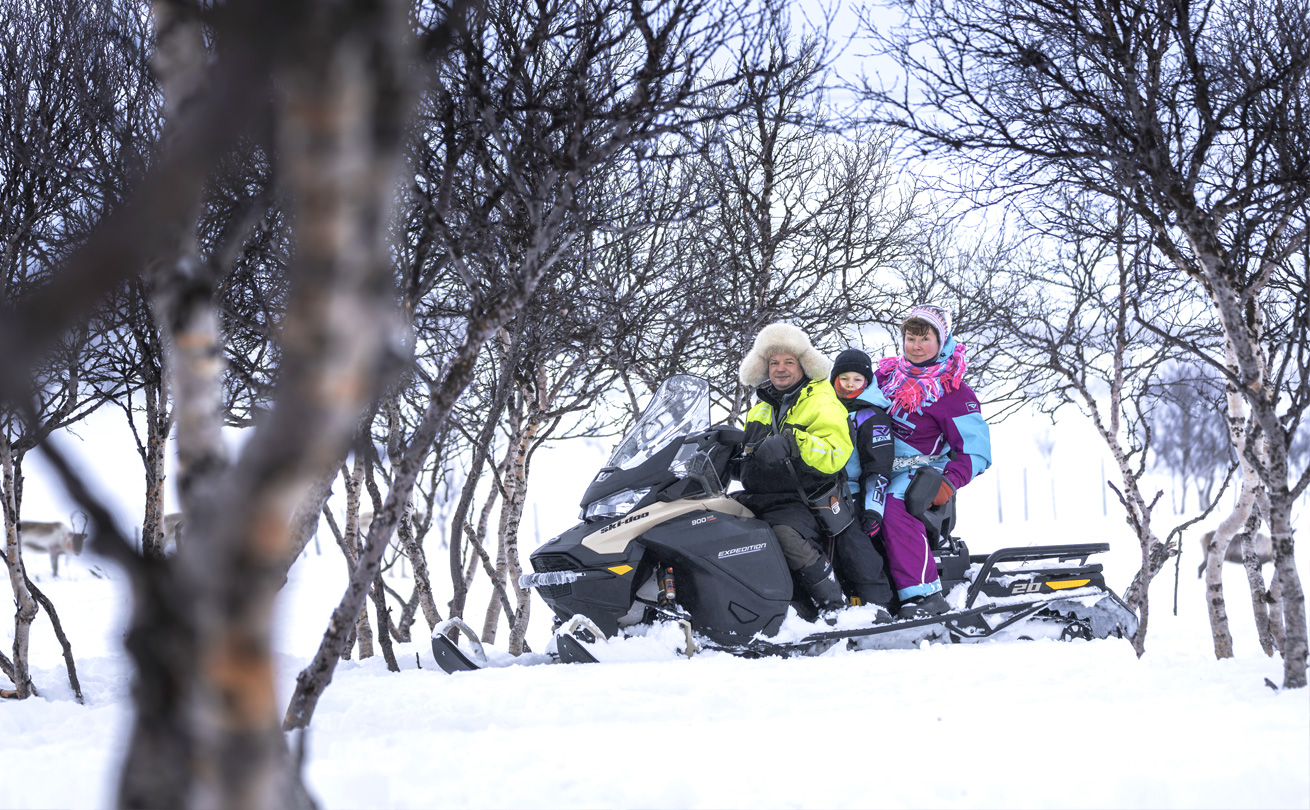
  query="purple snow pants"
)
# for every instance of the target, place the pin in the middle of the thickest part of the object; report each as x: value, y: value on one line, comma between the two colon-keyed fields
x: 913, y: 571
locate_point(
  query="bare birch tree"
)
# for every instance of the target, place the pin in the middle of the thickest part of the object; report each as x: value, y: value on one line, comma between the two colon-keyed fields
x: 1190, y: 115
x: 522, y: 123
x: 1078, y: 344
x: 808, y: 220
x: 57, y: 117
x: 207, y: 731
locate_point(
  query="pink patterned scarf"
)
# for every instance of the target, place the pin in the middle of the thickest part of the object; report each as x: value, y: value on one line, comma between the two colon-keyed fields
x: 912, y: 388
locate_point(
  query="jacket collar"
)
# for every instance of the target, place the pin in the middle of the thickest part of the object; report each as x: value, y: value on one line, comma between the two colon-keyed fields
x: 770, y: 393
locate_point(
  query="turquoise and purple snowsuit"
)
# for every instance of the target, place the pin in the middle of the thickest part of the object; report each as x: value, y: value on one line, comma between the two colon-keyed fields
x: 951, y: 435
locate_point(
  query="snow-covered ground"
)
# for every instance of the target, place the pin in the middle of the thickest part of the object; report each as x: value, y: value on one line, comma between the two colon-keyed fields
x: 1023, y: 724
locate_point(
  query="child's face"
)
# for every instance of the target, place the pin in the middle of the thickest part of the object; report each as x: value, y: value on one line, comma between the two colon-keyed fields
x: 850, y: 383
x: 921, y: 348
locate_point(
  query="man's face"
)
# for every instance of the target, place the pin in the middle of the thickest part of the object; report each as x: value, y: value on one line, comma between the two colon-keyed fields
x: 784, y: 370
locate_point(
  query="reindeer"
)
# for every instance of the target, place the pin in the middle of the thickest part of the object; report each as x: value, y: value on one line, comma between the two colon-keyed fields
x: 53, y: 538
x: 1264, y: 550
x: 174, y: 526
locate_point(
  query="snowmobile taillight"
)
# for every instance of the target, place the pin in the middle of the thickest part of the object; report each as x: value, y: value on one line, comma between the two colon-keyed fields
x: 616, y: 505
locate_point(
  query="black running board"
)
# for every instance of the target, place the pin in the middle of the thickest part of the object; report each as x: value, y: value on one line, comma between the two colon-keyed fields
x: 967, y: 625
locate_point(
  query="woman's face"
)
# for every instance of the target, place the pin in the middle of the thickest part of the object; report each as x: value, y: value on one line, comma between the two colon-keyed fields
x: 921, y: 348
x: 850, y: 383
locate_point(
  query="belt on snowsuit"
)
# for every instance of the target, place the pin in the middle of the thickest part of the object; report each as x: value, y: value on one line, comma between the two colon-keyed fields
x: 904, y: 462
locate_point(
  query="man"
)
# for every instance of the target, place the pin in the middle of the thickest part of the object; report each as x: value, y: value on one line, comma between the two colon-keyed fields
x: 800, y: 438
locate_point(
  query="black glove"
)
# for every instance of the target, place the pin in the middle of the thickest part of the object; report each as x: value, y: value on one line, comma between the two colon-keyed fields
x: 872, y: 525
x: 773, y: 449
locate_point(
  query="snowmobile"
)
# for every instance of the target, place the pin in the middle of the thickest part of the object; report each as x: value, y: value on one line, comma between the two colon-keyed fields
x: 662, y: 545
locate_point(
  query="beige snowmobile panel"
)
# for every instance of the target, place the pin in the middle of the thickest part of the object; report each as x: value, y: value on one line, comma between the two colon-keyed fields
x: 614, y: 537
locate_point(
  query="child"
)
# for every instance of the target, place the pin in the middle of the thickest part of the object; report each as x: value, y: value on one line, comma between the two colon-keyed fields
x: 859, y: 561
x: 936, y: 420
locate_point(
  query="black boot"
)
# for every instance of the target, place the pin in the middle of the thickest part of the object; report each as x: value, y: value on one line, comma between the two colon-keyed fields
x: 865, y: 593
x: 923, y: 607
x: 822, y: 585
x: 870, y: 593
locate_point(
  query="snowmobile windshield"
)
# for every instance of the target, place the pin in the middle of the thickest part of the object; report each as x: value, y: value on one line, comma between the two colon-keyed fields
x: 680, y: 407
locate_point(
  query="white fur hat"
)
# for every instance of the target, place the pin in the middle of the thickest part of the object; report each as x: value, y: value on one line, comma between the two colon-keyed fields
x: 782, y: 337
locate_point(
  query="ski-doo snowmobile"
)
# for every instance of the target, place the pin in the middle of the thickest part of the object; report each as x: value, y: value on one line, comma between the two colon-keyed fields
x: 662, y: 544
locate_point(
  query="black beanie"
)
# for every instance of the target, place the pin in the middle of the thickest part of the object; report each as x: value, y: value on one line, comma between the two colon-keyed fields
x: 852, y: 360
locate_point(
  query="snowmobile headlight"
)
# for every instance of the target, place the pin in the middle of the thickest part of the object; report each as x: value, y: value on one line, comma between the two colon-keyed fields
x: 544, y: 579
x: 615, y: 505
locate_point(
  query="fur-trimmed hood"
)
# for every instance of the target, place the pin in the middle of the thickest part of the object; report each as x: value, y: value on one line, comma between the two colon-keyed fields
x: 782, y: 337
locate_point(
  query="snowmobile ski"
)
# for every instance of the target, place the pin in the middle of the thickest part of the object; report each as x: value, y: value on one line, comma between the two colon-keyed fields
x: 449, y: 656
x: 572, y: 651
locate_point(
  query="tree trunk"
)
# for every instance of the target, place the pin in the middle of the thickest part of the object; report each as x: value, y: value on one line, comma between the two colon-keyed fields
x: 519, y: 475
x: 1291, y: 595
x: 152, y: 525
x: 363, y: 634
x: 1214, y: 600
x: 481, y: 450
x: 27, y: 606
x: 413, y: 549
x: 384, y: 622
x: 492, y: 619
x: 1138, y: 511
x: 64, y: 643
x: 509, y: 482
x: 422, y: 579
x: 1214, y: 556
x: 478, y: 551
x: 1255, y: 578
x: 304, y: 521
x: 404, y: 625
x: 1266, y: 454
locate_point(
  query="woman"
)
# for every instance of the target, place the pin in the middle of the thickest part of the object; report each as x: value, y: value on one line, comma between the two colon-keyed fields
x: 937, y: 421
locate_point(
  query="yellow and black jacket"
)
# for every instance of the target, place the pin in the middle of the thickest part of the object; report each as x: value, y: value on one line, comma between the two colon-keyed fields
x: 817, y: 421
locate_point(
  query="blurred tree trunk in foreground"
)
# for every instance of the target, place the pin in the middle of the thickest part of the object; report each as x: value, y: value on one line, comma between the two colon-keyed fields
x: 206, y: 730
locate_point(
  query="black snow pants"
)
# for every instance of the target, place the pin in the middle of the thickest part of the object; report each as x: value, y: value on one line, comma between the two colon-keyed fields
x: 858, y: 562
x: 861, y: 567
x: 794, y: 524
